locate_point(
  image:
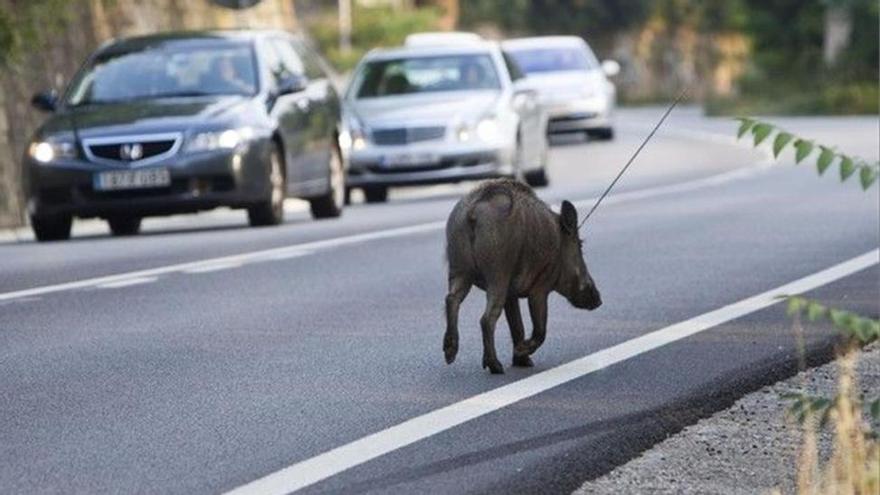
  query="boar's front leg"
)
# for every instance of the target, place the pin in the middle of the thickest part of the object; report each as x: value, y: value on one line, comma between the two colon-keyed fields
x: 459, y: 286
x: 538, y: 312
x: 495, y: 299
x: 517, y: 331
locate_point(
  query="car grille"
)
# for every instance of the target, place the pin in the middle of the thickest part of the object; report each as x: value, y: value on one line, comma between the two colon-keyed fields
x: 124, y: 150
x: 406, y: 135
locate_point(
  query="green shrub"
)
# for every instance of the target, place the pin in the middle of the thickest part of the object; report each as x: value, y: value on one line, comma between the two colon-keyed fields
x: 371, y: 27
x: 856, y: 98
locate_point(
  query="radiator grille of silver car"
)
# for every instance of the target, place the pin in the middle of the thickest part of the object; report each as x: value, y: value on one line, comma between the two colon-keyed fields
x: 407, y: 135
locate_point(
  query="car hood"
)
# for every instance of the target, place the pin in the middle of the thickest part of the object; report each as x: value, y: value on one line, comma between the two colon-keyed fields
x: 148, y: 116
x: 406, y: 110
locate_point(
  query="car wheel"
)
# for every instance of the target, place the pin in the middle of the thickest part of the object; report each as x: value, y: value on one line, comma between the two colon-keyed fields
x: 330, y: 205
x: 602, y: 134
x: 537, y: 178
x: 347, y: 196
x: 376, y: 194
x: 124, y: 226
x: 51, y: 228
x: 271, y: 210
x: 518, y: 174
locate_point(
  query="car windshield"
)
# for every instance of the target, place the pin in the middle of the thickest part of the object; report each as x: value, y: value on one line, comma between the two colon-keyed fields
x: 170, y: 70
x: 427, y: 74
x: 557, y: 59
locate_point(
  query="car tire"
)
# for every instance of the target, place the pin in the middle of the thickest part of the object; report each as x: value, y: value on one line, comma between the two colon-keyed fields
x: 330, y: 205
x: 537, y: 178
x: 602, y: 134
x: 124, y: 225
x: 347, y: 196
x: 270, y: 211
x: 376, y: 194
x: 51, y: 228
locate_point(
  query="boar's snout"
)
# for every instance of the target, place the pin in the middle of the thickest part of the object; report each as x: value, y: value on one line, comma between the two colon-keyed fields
x: 588, y: 297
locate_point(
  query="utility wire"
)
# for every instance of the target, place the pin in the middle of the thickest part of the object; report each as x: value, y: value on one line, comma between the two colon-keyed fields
x: 633, y: 157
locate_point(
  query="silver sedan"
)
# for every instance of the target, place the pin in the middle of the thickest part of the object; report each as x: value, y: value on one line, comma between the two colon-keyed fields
x: 573, y: 86
x: 428, y: 114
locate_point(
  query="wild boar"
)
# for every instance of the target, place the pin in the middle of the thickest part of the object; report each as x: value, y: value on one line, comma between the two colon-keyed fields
x: 502, y: 238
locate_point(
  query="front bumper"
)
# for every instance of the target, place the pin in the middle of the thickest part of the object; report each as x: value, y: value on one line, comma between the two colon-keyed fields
x: 198, y: 182
x: 577, y: 115
x: 429, y: 164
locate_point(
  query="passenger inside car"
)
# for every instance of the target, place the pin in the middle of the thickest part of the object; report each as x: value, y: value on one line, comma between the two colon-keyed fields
x: 226, y: 77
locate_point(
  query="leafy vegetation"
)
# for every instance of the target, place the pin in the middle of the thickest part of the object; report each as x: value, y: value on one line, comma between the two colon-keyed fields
x: 856, y: 328
x: 23, y: 24
x: 836, y: 98
x: 785, y: 71
x: 826, y: 156
x: 371, y: 27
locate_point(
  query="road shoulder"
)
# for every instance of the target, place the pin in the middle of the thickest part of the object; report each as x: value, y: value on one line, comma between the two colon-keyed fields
x: 748, y: 448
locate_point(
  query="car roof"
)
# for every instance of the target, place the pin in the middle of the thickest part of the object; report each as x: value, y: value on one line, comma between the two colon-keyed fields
x: 475, y: 47
x: 241, y: 35
x: 441, y: 38
x: 543, y: 41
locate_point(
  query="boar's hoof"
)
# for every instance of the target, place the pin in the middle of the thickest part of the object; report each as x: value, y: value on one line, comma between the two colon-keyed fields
x: 523, y: 361
x: 525, y: 348
x: 450, y: 348
x: 494, y: 366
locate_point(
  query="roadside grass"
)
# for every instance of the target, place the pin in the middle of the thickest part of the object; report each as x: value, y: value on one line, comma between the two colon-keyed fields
x: 845, y: 98
x: 854, y: 465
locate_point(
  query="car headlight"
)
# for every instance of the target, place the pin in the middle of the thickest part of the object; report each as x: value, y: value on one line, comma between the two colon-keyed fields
x: 219, y: 140
x: 354, y: 137
x: 463, y: 133
x: 488, y: 130
x: 48, y: 151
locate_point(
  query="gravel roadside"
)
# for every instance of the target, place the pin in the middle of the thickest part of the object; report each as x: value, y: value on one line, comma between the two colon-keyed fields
x: 749, y: 448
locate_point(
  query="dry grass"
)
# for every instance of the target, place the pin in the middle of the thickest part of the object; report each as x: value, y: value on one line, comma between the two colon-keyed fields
x: 854, y: 465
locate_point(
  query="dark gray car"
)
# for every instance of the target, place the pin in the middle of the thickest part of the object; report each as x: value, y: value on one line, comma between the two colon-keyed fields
x: 183, y: 122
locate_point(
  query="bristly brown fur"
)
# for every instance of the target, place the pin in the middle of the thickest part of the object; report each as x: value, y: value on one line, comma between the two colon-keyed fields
x: 502, y: 238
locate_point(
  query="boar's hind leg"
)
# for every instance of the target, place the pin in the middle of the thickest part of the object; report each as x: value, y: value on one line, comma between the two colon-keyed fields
x: 517, y: 331
x: 458, y: 289
x: 538, y: 312
x: 495, y: 300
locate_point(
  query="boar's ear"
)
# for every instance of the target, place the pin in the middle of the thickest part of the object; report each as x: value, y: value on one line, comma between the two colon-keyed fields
x: 568, y: 218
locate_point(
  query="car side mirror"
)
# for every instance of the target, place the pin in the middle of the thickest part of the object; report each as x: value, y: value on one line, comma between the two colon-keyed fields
x: 610, y: 67
x: 292, y: 83
x: 524, y: 98
x: 47, y: 101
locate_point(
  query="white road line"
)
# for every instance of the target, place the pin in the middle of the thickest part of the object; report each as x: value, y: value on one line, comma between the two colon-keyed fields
x: 332, y: 462
x: 127, y: 282
x: 681, y: 187
x: 288, y: 255
x: 254, y: 256
x: 213, y: 267
x: 296, y: 250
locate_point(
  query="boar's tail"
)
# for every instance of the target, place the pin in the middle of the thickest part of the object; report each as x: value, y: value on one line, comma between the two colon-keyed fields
x: 495, y: 200
x: 489, y: 194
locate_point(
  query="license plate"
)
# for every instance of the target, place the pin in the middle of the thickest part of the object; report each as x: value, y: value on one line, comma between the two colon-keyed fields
x: 132, y: 179
x: 410, y: 159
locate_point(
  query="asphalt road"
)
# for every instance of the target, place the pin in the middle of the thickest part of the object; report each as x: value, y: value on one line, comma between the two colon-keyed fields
x: 195, y: 376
